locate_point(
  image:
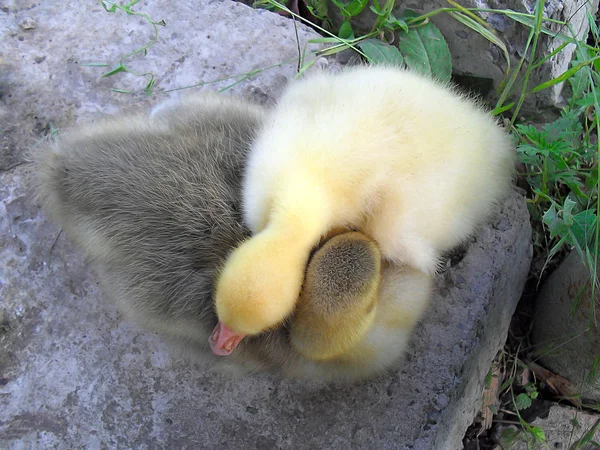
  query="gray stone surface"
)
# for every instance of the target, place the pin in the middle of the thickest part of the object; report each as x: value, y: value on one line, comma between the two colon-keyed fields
x: 475, y: 56
x: 46, y: 80
x: 74, y: 374
x: 566, y: 339
x: 563, y: 427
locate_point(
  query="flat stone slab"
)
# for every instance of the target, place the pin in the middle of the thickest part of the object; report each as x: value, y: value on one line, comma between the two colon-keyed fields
x: 73, y: 373
x: 563, y: 427
x: 565, y: 340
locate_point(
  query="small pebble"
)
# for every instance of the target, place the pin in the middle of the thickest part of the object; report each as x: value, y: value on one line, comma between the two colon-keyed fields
x: 27, y: 23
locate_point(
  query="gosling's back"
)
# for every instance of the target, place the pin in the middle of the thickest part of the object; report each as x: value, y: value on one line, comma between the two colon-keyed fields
x: 154, y: 202
x: 408, y: 160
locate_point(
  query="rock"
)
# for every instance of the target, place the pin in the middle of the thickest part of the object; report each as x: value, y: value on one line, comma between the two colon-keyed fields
x: 563, y: 426
x: 563, y: 337
x: 56, y: 56
x: 73, y: 373
x: 27, y: 23
x: 473, y: 55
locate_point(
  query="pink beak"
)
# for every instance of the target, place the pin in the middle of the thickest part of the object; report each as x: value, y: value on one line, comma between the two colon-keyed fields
x: 224, y: 340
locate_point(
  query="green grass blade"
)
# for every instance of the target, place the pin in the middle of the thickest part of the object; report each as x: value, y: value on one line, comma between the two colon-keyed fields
x: 116, y: 70
x: 564, y: 76
x: 501, y: 109
x: 587, y: 437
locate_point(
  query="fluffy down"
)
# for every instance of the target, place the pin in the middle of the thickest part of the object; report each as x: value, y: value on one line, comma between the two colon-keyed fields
x: 404, y: 159
x: 154, y: 203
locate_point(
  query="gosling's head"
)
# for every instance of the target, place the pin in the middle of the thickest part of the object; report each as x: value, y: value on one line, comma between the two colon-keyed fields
x: 338, y: 302
x: 257, y: 290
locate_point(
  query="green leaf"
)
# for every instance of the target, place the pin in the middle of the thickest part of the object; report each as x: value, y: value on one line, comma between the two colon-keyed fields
x: 425, y: 50
x: 583, y: 228
x: 568, y: 206
x: 342, y: 7
x: 575, y: 185
x: 318, y: 8
x: 112, y: 9
x: 538, y: 434
x: 376, y: 8
x: 553, y: 222
x: 380, y: 52
x: 593, y: 25
x: 523, y: 401
x: 121, y: 68
x: 356, y: 6
x: 589, y: 99
x: 580, y: 81
x: 395, y: 24
x: 346, y: 31
x: 529, y: 155
x: 544, y: 196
